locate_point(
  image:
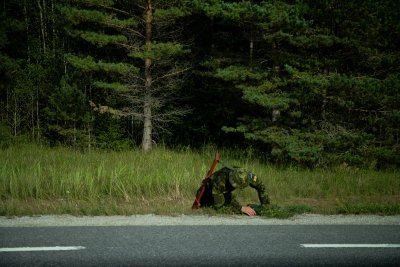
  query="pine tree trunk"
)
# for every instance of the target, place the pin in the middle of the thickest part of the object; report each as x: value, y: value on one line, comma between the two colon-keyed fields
x: 54, y: 28
x: 147, y: 116
x: 27, y: 31
x: 42, y: 26
x: 276, y: 113
x: 33, y: 117
x: 324, y: 101
x: 15, y: 117
x: 37, y: 115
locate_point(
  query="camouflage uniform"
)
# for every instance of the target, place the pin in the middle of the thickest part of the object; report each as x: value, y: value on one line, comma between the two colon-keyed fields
x: 218, y: 192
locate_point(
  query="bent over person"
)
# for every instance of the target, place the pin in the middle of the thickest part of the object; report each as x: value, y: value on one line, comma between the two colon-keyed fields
x: 218, y: 192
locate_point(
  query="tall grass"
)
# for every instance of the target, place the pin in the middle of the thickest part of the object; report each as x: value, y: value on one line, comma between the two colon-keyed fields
x: 165, y: 179
x: 44, y: 173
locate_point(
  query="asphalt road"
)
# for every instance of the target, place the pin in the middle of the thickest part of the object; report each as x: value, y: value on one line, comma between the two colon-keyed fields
x: 201, y: 245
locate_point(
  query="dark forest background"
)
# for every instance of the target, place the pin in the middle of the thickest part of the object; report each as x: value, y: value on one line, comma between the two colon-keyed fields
x: 307, y: 82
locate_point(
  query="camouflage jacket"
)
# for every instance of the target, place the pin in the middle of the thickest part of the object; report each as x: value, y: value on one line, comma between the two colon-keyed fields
x: 226, y: 180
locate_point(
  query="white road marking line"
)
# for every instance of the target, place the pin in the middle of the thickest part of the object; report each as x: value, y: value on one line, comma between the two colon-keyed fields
x: 22, y: 249
x: 350, y: 245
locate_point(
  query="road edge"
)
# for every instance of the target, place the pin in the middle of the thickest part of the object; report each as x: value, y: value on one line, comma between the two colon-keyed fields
x: 189, y: 220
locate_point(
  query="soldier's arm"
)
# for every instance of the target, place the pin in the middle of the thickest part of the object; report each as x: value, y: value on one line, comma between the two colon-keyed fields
x: 262, y: 193
x: 237, y: 208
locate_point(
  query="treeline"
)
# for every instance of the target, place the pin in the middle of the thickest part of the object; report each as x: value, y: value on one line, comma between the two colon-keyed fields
x: 306, y: 82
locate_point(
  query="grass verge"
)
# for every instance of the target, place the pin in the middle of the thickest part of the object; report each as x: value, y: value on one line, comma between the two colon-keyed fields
x: 39, y: 180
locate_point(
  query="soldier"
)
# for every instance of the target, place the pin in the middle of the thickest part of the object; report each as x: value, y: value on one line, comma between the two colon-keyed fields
x: 218, y: 192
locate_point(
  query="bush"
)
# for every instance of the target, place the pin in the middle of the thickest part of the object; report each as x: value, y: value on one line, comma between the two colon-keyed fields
x: 6, y: 138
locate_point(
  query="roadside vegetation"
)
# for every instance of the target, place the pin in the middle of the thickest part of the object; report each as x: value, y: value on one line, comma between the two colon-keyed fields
x: 38, y: 180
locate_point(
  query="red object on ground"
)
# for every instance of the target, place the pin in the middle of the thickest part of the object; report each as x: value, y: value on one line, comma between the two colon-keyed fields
x: 202, y: 188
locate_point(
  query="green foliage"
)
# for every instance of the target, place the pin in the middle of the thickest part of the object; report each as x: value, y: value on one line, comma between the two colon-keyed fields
x: 310, y: 83
x: 274, y: 211
x: 171, y: 13
x: 99, y: 39
x: 110, y: 134
x: 369, y: 208
x: 243, y: 10
x: 382, y: 157
x: 160, y: 51
x: 113, y: 86
x: 76, y: 16
x: 8, y: 26
x: 301, y: 147
x: 297, y: 97
x: 6, y: 139
x: 8, y: 64
x: 238, y: 73
x: 93, y: 2
x: 274, y: 100
x: 88, y: 64
x: 67, y: 112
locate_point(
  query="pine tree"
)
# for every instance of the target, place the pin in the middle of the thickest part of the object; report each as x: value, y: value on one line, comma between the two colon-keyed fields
x: 305, y: 81
x: 142, y: 55
x: 66, y: 114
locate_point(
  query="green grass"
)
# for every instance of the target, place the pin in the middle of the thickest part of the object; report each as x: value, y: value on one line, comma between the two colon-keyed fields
x: 41, y: 180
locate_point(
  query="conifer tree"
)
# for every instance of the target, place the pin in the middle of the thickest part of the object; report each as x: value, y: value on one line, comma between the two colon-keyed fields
x: 304, y: 80
x: 137, y: 52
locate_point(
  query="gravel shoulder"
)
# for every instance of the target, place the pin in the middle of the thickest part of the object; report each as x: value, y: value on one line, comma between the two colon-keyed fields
x: 156, y: 220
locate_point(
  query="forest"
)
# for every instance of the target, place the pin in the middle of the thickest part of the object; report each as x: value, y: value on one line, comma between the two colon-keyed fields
x: 309, y: 83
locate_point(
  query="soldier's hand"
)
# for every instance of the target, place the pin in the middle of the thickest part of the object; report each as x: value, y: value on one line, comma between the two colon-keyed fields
x: 248, y: 210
